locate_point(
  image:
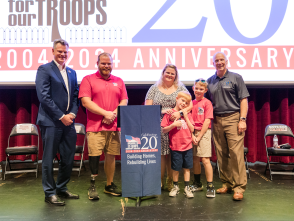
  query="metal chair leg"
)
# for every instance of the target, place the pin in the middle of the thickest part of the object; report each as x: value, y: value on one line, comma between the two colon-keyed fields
x: 37, y: 167
x: 246, y: 166
x: 9, y: 163
x: 265, y: 168
x: 269, y: 167
x: 5, y: 167
x: 81, y: 163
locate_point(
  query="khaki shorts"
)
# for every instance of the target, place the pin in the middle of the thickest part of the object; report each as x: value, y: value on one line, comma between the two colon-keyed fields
x: 106, y: 141
x: 203, y: 149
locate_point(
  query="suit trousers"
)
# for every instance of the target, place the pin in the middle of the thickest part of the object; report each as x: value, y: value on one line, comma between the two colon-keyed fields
x: 61, y: 139
x: 230, y: 152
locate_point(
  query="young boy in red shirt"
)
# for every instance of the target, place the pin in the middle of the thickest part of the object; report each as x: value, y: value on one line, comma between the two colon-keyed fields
x: 180, y: 143
x: 202, y: 113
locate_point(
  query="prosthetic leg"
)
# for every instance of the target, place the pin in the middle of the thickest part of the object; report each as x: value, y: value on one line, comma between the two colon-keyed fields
x: 94, y: 167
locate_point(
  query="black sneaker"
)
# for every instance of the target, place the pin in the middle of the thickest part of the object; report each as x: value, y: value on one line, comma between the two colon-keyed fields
x: 196, y: 187
x: 92, y: 192
x: 210, y: 191
x: 112, y: 189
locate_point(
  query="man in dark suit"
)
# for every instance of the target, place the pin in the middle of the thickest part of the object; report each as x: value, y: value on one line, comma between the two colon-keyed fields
x: 57, y: 91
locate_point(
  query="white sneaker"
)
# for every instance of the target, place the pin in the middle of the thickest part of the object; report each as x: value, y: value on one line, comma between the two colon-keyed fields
x: 175, y: 191
x: 188, y: 192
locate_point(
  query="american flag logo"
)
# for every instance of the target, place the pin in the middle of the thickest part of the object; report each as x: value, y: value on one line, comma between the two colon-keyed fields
x: 132, y: 139
x: 114, y: 84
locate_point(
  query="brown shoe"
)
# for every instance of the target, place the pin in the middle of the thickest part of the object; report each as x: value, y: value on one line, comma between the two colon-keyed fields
x: 238, y: 196
x: 223, y: 190
x: 169, y: 183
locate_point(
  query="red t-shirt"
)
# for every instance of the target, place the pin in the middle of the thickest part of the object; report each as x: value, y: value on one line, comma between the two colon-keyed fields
x: 201, y: 110
x: 179, y: 139
x: 107, y: 94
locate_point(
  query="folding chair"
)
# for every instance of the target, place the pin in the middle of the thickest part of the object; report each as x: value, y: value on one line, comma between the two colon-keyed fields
x: 246, y: 163
x: 80, y: 129
x: 22, y: 129
x: 282, y: 130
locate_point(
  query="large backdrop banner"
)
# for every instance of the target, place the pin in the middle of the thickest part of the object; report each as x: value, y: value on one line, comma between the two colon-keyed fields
x: 144, y: 35
x: 140, y: 150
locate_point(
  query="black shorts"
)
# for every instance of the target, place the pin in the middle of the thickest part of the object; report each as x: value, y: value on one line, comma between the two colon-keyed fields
x: 182, y: 159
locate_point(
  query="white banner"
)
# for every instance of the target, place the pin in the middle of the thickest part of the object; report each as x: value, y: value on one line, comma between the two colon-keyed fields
x: 144, y: 35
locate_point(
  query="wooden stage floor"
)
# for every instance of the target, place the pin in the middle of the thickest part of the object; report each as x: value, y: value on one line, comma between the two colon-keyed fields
x: 22, y: 198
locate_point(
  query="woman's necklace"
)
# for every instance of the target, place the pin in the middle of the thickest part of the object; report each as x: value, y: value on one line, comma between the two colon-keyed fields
x: 166, y: 88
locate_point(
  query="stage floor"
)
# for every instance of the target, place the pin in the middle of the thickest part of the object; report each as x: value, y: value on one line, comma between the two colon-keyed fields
x: 22, y: 198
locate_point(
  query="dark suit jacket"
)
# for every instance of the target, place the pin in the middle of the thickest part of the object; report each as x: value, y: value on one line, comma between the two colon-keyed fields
x: 52, y: 94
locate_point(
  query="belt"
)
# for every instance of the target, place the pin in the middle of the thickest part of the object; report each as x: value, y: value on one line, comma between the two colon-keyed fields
x: 226, y: 115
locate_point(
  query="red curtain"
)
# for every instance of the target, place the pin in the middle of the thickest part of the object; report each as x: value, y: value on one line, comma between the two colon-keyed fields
x: 266, y: 106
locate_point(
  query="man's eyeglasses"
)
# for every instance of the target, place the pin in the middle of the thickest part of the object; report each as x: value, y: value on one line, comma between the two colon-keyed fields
x: 201, y: 80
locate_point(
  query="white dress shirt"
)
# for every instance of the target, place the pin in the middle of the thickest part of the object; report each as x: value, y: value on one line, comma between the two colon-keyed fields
x: 64, y: 76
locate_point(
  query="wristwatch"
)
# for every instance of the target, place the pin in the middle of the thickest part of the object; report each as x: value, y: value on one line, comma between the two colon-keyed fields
x: 181, y: 113
x: 242, y: 118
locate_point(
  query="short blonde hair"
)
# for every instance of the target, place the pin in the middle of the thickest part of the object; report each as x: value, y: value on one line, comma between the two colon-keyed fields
x: 177, y: 82
x: 202, y: 82
x: 185, y: 95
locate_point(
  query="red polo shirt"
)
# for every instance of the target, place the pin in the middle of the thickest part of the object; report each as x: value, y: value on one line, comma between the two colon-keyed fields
x: 179, y: 139
x: 201, y: 110
x: 107, y: 94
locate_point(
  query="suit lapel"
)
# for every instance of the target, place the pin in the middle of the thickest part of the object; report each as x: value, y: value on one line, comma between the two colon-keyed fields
x: 57, y: 72
x: 68, y: 71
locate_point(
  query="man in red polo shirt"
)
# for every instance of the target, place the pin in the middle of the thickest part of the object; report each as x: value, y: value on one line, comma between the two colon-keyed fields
x: 101, y: 93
